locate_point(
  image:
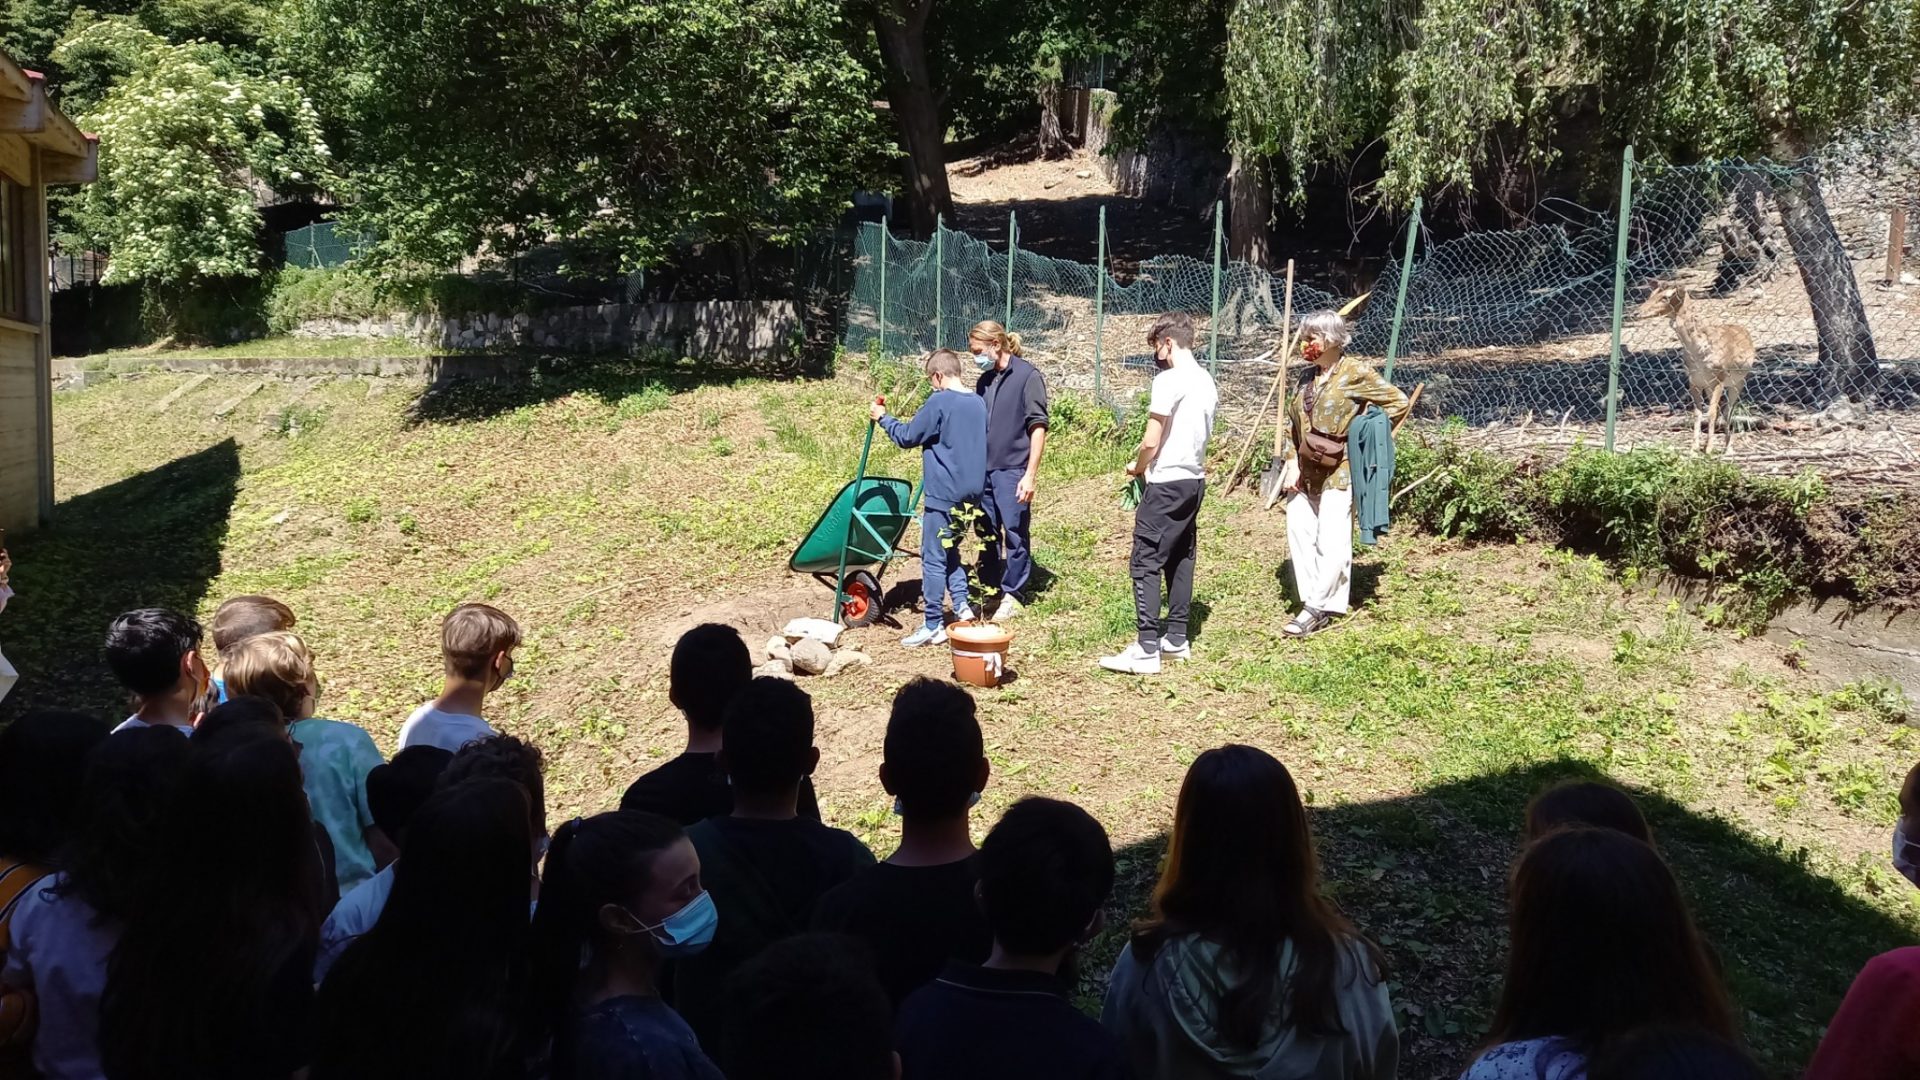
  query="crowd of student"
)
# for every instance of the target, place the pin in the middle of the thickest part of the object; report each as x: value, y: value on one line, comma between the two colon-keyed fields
x: 243, y: 890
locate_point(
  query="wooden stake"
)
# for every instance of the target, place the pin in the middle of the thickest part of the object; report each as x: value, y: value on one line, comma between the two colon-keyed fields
x: 1896, y: 243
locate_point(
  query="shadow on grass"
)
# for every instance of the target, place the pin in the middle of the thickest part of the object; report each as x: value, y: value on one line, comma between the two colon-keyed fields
x: 1365, y: 582
x: 468, y: 389
x: 151, y: 540
x: 1425, y: 877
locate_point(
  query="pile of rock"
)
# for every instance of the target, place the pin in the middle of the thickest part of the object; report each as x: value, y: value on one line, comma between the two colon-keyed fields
x: 808, y: 647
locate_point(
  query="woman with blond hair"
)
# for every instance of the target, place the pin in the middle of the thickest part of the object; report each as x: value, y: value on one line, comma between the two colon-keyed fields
x: 1317, y: 476
x: 1016, y: 395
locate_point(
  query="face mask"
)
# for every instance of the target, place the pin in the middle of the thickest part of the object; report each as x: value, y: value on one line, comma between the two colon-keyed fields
x: 688, y: 931
x: 1906, y: 854
x: 1312, y: 350
x: 982, y: 361
x: 900, y: 809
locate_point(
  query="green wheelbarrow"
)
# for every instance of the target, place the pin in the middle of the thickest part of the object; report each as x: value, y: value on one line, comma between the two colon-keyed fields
x: 855, y: 538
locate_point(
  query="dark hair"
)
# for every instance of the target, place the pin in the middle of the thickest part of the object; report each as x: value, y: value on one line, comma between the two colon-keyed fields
x: 236, y: 713
x: 933, y: 749
x: 1600, y: 943
x: 766, y: 736
x: 396, y: 789
x: 604, y: 859
x: 129, y: 780
x: 1674, y: 1053
x: 809, y: 1007
x: 1176, y: 327
x: 43, y: 756
x: 1045, y: 869
x: 710, y: 665
x: 241, y: 617
x: 144, y: 648
x: 1241, y: 871
x: 437, y: 987
x: 212, y: 975
x: 1586, y: 802
x: 508, y: 758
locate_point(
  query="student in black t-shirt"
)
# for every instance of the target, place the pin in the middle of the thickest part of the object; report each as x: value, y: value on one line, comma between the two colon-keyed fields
x: 765, y: 865
x: 1045, y: 871
x: 810, y: 1008
x: 710, y: 665
x: 917, y: 910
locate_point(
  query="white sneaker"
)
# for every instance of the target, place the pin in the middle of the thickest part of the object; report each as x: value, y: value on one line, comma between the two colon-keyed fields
x: 926, y: 635
x: 1176, y: 652
x: 1009, y: 607
x: 1133, y: 660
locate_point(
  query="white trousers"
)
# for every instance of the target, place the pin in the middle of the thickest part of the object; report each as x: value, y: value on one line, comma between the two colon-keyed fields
x: 1320, y: 539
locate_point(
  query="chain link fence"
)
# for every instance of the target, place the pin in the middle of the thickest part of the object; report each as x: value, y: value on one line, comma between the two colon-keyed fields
x: 1796, y: 288
x: 322, y: 245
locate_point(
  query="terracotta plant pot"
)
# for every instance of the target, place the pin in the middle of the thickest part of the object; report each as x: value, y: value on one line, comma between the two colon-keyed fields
x: 979, y: 653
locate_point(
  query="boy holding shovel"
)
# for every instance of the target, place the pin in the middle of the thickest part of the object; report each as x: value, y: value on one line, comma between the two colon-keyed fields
x: 951, y: 430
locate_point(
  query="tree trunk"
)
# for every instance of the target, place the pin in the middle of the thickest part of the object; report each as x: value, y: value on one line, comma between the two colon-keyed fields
x: 1850, y: 366
x: 1053, y: 138
x: 900, y: 27
x: 1249, y: 210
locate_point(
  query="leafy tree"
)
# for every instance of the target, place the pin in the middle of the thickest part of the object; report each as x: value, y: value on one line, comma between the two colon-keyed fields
x: 1443, y: 82
x: 187, y: 140
x: 627, y: 127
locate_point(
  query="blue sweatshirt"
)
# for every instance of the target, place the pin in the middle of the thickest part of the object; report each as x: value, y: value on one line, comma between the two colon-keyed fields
x: 951, y: 427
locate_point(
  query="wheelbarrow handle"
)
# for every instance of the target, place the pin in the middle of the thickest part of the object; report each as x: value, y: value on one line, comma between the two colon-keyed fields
x: 840, y: 576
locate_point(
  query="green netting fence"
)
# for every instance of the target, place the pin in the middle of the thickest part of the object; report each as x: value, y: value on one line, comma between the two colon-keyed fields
x: 1529, y: 337
x: 323, y: 244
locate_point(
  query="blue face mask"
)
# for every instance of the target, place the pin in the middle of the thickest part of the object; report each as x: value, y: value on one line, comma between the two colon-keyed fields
x: 900, y: 809
x: 688, y: 931
x: 982, y: 361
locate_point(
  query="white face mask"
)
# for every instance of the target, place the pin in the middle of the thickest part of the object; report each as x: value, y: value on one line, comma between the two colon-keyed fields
x: 1906, y: 854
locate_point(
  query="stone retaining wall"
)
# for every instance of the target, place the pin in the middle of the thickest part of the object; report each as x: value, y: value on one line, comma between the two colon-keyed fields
x: 744, y: 331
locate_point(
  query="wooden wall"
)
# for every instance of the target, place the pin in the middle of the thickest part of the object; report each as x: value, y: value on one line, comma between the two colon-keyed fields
x: 19, y: 431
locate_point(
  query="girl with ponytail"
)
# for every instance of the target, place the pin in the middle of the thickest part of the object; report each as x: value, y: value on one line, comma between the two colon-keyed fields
x: 621, y: 895
x: 1016, y: 396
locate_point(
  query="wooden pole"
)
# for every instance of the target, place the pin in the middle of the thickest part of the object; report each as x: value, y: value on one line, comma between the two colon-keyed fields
x: 1896, y: 242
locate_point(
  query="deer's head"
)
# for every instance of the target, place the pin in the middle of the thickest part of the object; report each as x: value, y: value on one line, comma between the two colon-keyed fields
x: 1666, y: 300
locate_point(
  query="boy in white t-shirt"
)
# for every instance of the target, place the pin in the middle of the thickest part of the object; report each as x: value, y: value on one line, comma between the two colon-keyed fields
x: 1173, y: 458
x: 477, y: 642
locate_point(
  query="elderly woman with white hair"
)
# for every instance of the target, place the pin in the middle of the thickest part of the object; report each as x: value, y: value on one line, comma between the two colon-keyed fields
x: 1317, y: 477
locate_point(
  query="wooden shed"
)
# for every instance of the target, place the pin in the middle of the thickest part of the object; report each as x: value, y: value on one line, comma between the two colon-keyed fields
x: 39, y: 148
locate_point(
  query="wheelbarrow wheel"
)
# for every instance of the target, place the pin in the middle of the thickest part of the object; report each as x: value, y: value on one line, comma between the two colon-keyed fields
x: 860, y: 604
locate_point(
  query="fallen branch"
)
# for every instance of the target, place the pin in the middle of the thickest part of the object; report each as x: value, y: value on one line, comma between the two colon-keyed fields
x: 1398, y: 494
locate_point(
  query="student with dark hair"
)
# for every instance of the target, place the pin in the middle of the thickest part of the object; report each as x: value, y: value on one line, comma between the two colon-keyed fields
x: 916, y: 910
x: 1680, y: 1053
x: 395, y: 792
x: 1045, y: 872
x: 43, y: 756
x: 1875, y: 1035
x: 1593, y: 803
x: 242, y: 711
x: 500, y: 757
x: 765, y: 864
x: 155, y: 653
x: 1243, y: 968
x: 212, y: 976
x: 64, y: 930
x: 810, y: 1008
x: 622, y: 897
x: 438, y: 986
x: 710, y: 665
x: 1600, y: 945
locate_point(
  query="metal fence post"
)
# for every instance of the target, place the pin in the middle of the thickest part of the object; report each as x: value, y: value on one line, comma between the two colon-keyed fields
x: 883, y: 284
x: 939, y: 272
x: 1213, y: 324
x: 1013, y: 256
x: 1099, y: 301
x: 1619, y: 293
x: 1400, y: 301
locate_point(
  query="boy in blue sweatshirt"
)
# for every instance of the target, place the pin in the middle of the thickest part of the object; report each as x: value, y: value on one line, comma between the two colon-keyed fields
x: 951, y: 428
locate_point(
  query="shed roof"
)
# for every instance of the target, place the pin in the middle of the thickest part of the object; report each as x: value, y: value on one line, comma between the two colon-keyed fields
x: 69, y: 155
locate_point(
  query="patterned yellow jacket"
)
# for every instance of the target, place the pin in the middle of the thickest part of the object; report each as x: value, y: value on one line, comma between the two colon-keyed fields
x: 1345, y: 392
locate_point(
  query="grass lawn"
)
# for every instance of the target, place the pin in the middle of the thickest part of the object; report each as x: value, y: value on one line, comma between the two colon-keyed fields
x: 612, y: 509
